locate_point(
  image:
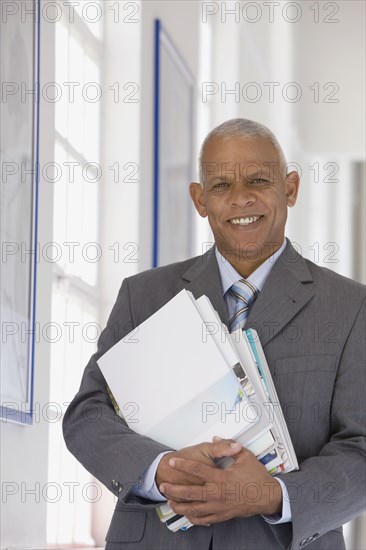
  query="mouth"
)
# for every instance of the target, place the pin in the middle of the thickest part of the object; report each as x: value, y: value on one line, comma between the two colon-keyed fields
x: 248, y: 220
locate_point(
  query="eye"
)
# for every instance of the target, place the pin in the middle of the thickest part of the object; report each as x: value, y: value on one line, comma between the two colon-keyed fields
x: 221, y: 185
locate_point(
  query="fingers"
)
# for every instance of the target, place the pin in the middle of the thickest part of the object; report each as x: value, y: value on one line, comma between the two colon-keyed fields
x: 200, y: 513
x: 182, y: 493
x: 198, y: 459
x: 165, y: 473
x: 195, y: 510
x: 194, y: 469
x: 191, y: 493
x: 220, y: 448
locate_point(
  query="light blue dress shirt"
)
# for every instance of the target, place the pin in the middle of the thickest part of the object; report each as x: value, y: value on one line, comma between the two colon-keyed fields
x: 147, y: 487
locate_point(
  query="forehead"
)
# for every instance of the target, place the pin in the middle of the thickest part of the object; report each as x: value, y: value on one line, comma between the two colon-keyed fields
x: 240, y: 149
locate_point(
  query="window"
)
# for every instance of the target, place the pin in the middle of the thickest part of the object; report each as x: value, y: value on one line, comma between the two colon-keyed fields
x: 74, y: 324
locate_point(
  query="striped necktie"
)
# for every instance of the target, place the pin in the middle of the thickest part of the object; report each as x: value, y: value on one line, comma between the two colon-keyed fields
x: 244, y: 293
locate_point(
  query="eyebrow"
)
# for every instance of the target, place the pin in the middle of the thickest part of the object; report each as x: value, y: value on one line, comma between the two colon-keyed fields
x: 227, y: 175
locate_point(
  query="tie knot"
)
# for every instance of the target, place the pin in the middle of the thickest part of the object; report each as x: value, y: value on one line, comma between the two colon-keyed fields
x: 244, y: 290
x: 244, y: 294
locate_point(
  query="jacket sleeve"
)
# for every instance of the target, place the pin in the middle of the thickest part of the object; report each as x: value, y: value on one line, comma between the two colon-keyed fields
x: 329, y: 489
x: 97, y: 436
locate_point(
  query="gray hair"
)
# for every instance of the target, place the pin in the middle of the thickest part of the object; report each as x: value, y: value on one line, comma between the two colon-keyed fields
x: 245, y: 128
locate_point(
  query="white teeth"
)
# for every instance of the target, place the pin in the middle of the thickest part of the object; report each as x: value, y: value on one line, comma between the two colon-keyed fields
x: 245, y: 221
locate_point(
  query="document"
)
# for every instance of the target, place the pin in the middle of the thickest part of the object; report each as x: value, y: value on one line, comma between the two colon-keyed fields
x: 177, y: 378
x: 187, y: 379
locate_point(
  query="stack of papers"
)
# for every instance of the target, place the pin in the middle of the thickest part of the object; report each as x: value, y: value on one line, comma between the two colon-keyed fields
x: 181, y: 378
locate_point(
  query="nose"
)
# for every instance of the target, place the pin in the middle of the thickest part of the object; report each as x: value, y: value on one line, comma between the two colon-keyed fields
x: 242, y: 195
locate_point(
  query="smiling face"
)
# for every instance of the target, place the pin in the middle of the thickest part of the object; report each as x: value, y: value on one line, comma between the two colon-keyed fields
x: 245, y: 196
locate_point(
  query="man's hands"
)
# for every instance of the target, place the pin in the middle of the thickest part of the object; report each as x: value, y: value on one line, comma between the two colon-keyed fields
x: 209, y: 494
x: 204, y: 453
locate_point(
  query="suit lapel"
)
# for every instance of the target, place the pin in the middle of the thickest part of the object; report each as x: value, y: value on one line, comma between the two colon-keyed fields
x: 282, y: 297
x: 284, y: 294
x: 204, y: 278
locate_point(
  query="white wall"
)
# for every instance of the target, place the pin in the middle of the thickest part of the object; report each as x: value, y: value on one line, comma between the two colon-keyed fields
x: 332, y: 52
x: 24, y: 450
x: 119, y: 200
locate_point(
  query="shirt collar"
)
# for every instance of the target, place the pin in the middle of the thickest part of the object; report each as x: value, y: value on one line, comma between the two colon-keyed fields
x: 230, y: 276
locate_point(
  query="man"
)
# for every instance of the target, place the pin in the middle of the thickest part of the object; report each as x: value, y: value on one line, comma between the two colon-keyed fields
x: 311, y: 325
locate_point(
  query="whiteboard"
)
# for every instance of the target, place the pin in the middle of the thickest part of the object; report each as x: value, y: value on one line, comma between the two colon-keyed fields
x: 19, y: 167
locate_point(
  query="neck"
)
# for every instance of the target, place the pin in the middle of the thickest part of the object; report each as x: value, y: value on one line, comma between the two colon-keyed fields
x: 245, y: 263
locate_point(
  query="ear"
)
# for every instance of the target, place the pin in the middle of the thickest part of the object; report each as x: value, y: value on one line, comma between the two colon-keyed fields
x: 292, y: 183
x: 196, y: 192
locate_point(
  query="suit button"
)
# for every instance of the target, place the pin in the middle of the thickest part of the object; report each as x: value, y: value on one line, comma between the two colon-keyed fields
x: 316, y: 535
x: 303, y: 542
x: 115, y: 483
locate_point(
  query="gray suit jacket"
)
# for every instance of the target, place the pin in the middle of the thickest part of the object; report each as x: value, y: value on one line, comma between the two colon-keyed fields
x: 311, y: 323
